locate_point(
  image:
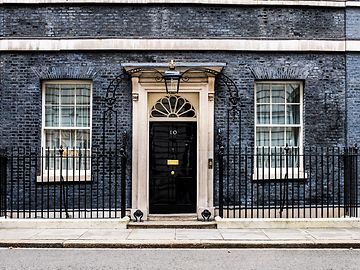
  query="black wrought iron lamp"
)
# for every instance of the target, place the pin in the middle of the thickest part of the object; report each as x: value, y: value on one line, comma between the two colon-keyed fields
x: 172, y: 79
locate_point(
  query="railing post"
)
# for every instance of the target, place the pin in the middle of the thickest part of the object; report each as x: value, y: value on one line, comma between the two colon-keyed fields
x: 350, y: 180
x: 284, y: 193
x: 355, y: 180
x: 123, y: 159
x: 3, y: 183
x: 63, y: 194
x: 221, y: 181
x: 220, y: 156
x: 346, y: 181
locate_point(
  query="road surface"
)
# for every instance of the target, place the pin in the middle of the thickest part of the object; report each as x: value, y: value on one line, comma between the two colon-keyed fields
x: 172, y: 259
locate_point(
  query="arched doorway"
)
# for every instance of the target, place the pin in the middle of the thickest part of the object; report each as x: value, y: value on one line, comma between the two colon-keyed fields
x: 172, y: 156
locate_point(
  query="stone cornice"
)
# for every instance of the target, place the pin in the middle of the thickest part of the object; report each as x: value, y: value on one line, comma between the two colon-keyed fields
x: 178, y: 45
x: 320, y: 3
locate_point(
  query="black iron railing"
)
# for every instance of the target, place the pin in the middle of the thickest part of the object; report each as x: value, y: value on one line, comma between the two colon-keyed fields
x: 260, y: 183
x: 3, y: 173
x: 65, y: 183
x: 288, y: 182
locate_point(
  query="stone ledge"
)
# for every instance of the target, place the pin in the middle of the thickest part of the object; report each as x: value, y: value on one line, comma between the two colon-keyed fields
x: 316, y: 3
x: 104, y: 44
x: 289, y: 223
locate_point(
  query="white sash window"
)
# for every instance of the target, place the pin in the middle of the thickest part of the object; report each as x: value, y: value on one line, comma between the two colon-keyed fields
x: 67, y: 123
x: 279, y: 123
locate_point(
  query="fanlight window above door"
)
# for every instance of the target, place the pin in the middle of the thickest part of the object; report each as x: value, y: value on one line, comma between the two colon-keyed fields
x: 173, y: 106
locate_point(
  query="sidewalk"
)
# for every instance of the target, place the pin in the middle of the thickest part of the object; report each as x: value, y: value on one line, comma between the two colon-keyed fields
x: 181, y: 238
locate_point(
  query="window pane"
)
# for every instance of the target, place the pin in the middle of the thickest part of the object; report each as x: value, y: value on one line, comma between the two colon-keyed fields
x: 262, y: 157
x: 263, y: 136
x: 277, y: 136
x: 277, y: 159
x: 67, y: 95
x: 263, y: 114
x: 293, y: 136
x: 293, y: 93
x: 293, y: 157
x: 278, y: 93
x: 278, y: 114
x: 67, y: 117
x: 263, y: 93
x: 83, y: 139
x: 51, y: 116
x: 68, y: 139
x: 83, y: 117
x: 83, y: 160
x: 52, y: 139
x: 293, y: 114
x: 83, y: 94
x: 164, y: 104
x: 52, y: 94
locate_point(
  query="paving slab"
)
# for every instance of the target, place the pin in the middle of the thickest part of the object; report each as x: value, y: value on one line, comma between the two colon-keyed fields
x: 17, y: 234
x: 193, y: 234
x: 152, y: 234
x: 243, y: 234
x: 106, y: 234
x: 59, y: 234
x: 355, y: 233
x: 182, y: 238
x: 330, y: 234
x: 287, y: 234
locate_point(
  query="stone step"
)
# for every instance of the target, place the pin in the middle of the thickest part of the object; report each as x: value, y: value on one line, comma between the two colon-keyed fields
x: 172, y: 217
x: 172, y: 224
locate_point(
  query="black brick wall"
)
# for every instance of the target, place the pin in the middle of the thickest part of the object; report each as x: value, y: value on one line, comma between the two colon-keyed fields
x: 353, y: 23
x: 353, y: 98
x: 324, y: 92
x: 171, y: 21
x: 22, y: 73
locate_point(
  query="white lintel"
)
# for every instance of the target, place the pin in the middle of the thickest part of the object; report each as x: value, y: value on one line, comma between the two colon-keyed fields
x: 181, y: 66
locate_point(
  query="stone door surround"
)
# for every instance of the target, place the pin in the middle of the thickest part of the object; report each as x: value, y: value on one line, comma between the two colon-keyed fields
x: 197, y: 88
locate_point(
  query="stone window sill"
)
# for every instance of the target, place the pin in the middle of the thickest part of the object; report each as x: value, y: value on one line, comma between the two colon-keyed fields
x: 51, y: 178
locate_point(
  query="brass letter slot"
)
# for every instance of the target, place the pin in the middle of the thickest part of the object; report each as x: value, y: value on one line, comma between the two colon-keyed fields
x: 172, y: 162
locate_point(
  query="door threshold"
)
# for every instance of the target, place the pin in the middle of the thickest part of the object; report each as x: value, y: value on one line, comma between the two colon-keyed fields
x: 179, y: 217
x: 172, y: 224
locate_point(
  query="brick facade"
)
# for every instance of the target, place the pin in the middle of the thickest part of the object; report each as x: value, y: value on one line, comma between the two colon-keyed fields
x: 171, y: 21
x: 324, y: 89
x: 331, y: 79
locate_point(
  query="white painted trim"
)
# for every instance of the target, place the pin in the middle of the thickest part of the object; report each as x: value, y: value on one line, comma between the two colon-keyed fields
x: 319, y: 3
x: 198, y: 95
x: 353, y: 45
x: 173, y: 45
x: 352, y: 3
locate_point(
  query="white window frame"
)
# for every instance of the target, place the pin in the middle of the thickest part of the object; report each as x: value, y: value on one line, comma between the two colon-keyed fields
x: 68, y: 175
x: 266, y: 173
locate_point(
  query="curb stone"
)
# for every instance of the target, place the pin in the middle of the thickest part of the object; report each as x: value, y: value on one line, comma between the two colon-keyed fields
x: 188, y: 244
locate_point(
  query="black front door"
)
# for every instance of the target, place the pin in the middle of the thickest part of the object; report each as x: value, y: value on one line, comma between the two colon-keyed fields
x: 172, y: 167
